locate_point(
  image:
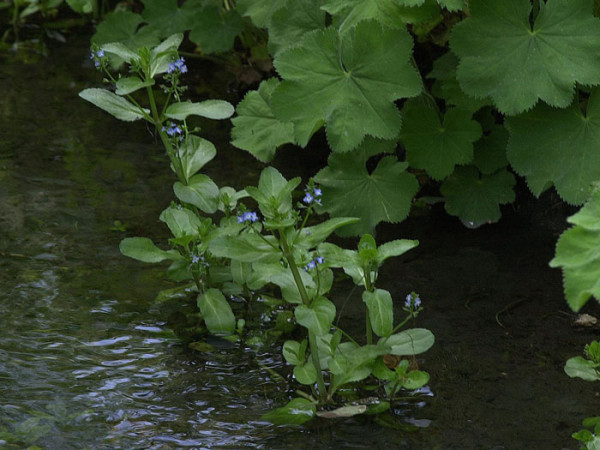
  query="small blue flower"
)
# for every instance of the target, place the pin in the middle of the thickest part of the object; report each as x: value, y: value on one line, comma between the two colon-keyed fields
x: 310, y: 265
x: 320, y: 260
x: 100, y: 53
x: 178, y: 66
x: 195, y: 259
x: 247, y: 217
x: 412, y: 301
x: 308, y: 198
x: 317, y: 192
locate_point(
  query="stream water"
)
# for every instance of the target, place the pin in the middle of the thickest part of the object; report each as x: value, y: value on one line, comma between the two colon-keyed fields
x: 86, y: 358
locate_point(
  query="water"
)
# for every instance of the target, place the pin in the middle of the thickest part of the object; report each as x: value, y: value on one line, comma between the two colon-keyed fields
x: 87, y: 360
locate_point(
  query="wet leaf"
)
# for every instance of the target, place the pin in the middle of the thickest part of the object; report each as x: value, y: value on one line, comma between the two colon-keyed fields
x: 344, y: 411
x: 296, y: 412
x: 579, y: 367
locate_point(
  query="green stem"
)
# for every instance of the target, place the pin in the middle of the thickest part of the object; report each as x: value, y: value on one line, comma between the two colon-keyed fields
x: 312, y: 339
x: 172, y: 152
x: 370, y: 288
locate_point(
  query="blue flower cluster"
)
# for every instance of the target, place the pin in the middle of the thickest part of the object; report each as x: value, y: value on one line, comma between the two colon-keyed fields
x: 178, y: 66
x: 247, y: 217
x: 313, y: 264
x: 96, y: 57
x: 412, y: 301
x: 312, y: 196
x: 172, y: 130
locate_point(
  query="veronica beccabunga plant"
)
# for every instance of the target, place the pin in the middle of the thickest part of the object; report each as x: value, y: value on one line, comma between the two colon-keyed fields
x: 250, y: 251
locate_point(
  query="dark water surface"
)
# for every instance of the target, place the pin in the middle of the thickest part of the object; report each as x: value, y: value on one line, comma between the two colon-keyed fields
x: 86, y: 360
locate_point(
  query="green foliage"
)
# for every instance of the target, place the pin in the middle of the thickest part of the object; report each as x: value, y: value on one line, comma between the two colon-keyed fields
x: 215, y: 29
x: 435, y: 145
x: 296, y: 412
x: 350, y: 86
x: 290, y: 23
x: 350, y: 190
x: 541, y: 138
x: 578, y: 254
x: 504, y: 57
x: 114, y: 104
x: 476, y: 198
x: 217, y: 313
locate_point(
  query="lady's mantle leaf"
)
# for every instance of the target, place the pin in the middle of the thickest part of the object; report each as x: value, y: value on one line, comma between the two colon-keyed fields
x: 166, y: 17
x: 255, y: 128
x: 260, y: 11
x: 350, y: 190
x: 437, y: 147
x: 559, y: 146
x: 214, y: 29
x: 350, y: 85
x: 446, y: 85
x: 477, y: 199
x: 503, y: 57
x: 391, y: 13
x: 292, y: 22
x: 453, y: 5
x: 123, y: 27
x: 490, y: 150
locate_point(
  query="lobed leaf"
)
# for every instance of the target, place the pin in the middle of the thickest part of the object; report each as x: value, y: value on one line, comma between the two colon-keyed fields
x: 504, y: 57
x: 256, y: 129
x: 215, y: 29
x: 290, y: 23
x: 559, y: 146
x: 350, y: 85
x: 350, y: 190
x: 438, y: 147
x: 477, y: 198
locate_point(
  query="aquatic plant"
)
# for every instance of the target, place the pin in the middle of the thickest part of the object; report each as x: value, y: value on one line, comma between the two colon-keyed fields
x: 248, y: 250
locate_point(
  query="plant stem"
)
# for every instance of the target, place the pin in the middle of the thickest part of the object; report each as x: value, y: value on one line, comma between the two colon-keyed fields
x: 312, y: 338
x: 173, y: 153
x: 370, y: 288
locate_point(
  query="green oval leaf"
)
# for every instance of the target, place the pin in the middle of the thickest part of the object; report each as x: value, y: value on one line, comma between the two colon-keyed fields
x: 143, y: 249
x: 296, y: 412
x: 114, y: 104
x: 211, y: 109
x: 381, y: 311
x: 317, y: 317
x: 201, y: 192
x: 409, y: 342
x: 217, y: 313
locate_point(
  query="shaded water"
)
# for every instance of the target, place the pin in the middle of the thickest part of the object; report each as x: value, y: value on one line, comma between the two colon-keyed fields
x: 86, y: 359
